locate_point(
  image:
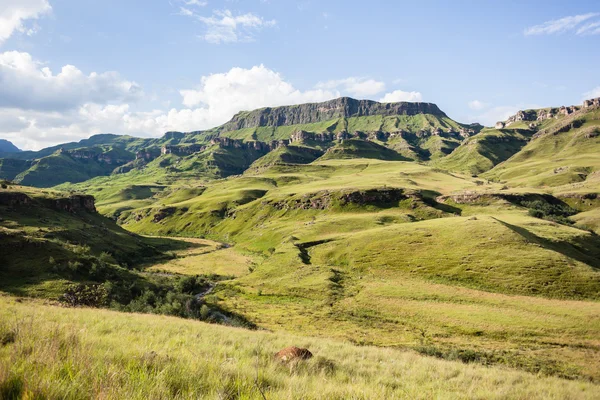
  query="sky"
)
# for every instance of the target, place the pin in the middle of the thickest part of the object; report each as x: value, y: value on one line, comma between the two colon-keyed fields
x: 73, y: 68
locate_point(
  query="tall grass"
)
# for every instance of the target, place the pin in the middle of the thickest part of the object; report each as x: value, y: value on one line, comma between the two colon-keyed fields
x: 59, y: 353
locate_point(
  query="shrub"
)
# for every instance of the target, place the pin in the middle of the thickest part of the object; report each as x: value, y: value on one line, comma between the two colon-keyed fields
x: 85, y: 295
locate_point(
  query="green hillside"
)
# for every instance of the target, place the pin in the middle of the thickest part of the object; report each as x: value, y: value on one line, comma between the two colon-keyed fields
x: 564, y: 156
x: 80, y: 353
x: 405, y: 231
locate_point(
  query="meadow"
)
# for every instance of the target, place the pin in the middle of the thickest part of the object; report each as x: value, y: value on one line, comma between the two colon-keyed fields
x: 53, y: 352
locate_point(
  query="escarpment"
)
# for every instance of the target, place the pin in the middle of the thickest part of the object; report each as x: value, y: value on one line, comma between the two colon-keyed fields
x: 344, y: 107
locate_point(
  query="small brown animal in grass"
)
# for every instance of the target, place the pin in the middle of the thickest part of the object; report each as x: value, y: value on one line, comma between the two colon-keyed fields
x: 293, y: 354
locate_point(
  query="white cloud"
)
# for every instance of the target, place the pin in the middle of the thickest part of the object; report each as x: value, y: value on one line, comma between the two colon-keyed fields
x: 399, y: 95
x: 225, y: 27
x: 559, y: 25
x: 197, y: 3
x: 593, y: 28
x: 219, y: 96
x: 28, y: 84
x: 214, y: 102
x: 14, y: 13
x: 592, y: 94
x: 499, y: 113
x: 477, y: 105
x: 354, y: 86
x: 216, y: 99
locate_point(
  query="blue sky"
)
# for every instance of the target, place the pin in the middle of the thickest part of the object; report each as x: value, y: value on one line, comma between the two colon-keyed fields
x: 70, y: 69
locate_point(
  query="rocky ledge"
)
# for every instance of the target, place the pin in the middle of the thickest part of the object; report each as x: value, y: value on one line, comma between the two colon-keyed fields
x: 76, y: 203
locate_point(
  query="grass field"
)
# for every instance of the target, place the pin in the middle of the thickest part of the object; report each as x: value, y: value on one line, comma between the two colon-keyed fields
x: 460, y: 279
x: 53, y: 352
x: 206, y: 257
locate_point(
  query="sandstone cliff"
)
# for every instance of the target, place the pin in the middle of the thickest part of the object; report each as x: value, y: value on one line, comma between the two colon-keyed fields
x: 317, y: 112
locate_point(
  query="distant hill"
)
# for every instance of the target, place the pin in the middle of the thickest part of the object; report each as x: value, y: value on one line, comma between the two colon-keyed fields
x: 8, y: 147
x: 388, y: 131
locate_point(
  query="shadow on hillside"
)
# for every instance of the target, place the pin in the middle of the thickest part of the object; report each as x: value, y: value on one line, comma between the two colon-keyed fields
x: 429, y: 198
x: 585, y: 249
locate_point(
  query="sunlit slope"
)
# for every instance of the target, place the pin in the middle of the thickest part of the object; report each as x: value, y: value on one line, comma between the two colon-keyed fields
x: 85, y: 352
x: 482, y: 152
x: 562, y: 156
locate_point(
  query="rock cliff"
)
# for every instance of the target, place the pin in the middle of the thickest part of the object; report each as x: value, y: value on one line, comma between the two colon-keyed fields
x: 317, y: 112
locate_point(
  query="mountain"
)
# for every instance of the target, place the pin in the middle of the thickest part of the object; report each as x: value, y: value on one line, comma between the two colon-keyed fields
x: 379, y: 225
x: 8, y: 147
x: 534, y: 144
x: 562, y: 153
x: 414, y: 131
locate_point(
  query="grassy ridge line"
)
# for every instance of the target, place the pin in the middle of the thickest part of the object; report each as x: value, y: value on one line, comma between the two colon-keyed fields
x: 75, y: 353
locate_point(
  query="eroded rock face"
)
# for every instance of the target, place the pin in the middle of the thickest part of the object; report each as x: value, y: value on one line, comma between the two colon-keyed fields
x: 293, y: 353
x: 592, y: 103
x: 325, y: 199
x: 14, y: 199
x: 77, y: 203
x: 317, y: 112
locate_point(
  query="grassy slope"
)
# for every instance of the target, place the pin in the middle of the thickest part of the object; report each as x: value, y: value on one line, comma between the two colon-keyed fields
x: 482, y: 152
x: 561, y: 160
x: 369, y: 283
x: 75, y: 353
x: 59, y: 168
x: 356, y: 148
x: 40, y: 245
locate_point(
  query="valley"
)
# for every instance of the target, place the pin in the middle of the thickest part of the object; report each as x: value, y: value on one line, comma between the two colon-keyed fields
x: 385, y: 231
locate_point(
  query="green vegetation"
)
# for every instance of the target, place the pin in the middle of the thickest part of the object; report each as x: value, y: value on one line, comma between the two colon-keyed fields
x: 562, y: 156
x: 51, y: 352
x: 408, y: 236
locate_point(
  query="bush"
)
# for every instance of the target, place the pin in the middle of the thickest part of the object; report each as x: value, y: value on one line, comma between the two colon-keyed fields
x: 85, y: 295
x: 553, y: 212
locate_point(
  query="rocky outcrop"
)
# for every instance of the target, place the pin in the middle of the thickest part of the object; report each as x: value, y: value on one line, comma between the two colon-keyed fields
x: 323, y: 200
x: 76, y: 203
x: 317, y: 112
x: 14, y: 199
x: 500, y: 125
x: 592, y: 103
x: 544, y: 114
x: 164, y: 213
x: 147, y: 154
x: 182, y: 151
x: 95, y: 155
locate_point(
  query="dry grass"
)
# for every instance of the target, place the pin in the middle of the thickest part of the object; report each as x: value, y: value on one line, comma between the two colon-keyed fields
x: 53, y: 352
x: 206, y: 257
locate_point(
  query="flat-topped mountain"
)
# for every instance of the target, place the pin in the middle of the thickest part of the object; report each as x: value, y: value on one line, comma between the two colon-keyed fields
x: 403, y: 130
x: 343, y: 107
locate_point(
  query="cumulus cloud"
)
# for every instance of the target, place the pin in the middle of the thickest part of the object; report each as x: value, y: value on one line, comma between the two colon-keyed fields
x: 213, y: 102
x: 477, y: 105
x: 28, y: 84
x: 223, y: 26
x: 562, y: 25
x: 221, y: 95
x: 15, y: 13
x: 354, y: 86
x: 400, y: 95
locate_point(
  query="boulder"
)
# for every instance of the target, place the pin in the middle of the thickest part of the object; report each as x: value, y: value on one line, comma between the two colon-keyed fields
x: 291, y: 354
